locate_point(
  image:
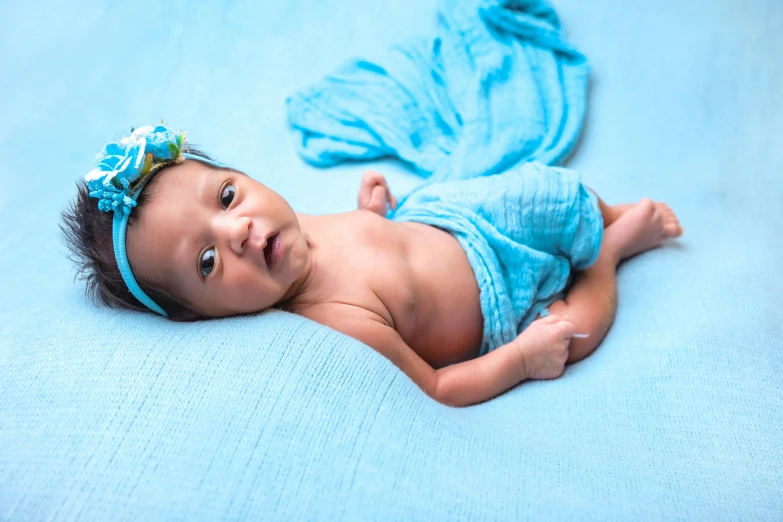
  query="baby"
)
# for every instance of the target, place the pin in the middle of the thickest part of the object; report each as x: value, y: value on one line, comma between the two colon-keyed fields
x: 177, y: 233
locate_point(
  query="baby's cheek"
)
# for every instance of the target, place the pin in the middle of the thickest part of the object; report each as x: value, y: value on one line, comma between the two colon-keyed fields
x: 249, y: 292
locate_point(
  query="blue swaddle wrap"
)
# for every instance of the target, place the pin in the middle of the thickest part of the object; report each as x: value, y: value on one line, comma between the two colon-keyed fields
x: 495, y: 85
x: 523, y: 231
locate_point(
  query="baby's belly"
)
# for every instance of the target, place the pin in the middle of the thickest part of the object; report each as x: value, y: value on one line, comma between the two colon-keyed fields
x: 446, y: 325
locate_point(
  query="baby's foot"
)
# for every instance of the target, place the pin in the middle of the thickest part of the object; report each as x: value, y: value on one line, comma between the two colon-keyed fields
x: 642, y: 226
x: 615, y: 211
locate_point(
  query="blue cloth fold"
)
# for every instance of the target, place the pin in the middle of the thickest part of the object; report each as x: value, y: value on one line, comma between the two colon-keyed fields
x: 497, y: 77
x: 523, y: 232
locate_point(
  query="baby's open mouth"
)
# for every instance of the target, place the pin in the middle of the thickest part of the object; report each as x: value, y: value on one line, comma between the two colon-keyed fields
x: 269, y: 249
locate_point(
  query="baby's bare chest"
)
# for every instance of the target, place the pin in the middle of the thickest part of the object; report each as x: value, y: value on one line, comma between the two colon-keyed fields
x: 418, y: 279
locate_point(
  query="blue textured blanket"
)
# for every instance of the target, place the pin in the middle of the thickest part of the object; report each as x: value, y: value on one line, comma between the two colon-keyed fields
x: 678, y: 414
x: 497, y: 77
x: 523, y: 231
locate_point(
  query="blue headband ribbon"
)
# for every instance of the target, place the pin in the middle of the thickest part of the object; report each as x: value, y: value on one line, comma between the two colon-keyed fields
x: 123, y: 168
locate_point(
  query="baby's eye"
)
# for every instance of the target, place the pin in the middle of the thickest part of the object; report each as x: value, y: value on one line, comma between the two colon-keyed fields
x: 227, y: 196
x: 207, y: 262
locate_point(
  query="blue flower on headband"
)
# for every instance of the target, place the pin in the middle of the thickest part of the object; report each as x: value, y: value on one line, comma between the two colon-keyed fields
x: 121, y: 165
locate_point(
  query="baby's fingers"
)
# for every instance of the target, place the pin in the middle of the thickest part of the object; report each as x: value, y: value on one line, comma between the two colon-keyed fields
x: 565, y: 328
x: 382, y: 181
x: 365, y: 196
x: 378, y: 200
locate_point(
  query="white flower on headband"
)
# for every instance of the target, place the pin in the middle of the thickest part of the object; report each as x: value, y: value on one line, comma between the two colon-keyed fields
x: 121, y: 165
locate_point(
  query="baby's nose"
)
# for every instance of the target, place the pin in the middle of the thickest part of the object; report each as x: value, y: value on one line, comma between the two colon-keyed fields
x: 236, y: 231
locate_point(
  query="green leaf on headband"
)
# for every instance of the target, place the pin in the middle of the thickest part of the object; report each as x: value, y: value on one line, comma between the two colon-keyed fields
x: 179, y: 140
x: 174, y: 151
x: 147, y: 164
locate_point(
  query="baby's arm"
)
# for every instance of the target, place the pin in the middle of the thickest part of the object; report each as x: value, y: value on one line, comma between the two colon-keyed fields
x: 540, y: 352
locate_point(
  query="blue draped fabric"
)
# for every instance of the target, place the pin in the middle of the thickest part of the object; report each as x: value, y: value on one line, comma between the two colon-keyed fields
x: 496, y: 84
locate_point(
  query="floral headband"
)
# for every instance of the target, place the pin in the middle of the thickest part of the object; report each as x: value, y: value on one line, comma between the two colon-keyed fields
x: 123, y: 170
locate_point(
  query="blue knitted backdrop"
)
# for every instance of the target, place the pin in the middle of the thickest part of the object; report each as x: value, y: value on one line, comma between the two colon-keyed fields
x: 677, y: 415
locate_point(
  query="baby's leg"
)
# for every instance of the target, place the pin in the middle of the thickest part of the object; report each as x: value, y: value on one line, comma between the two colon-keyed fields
x: 608, y: 213
x: 592, y: 301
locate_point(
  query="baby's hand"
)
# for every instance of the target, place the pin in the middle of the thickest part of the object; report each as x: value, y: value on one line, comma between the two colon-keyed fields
x: 374, y: 194
x: 544, y: 347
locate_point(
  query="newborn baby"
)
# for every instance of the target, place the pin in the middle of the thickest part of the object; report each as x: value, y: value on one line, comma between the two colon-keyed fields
x: 204, y: 241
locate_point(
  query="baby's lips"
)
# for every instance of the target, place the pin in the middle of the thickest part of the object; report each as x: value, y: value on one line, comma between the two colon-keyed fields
x: 256, y: 249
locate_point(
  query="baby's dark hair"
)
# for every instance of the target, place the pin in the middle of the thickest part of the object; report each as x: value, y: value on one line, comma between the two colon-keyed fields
x: 87, y: 232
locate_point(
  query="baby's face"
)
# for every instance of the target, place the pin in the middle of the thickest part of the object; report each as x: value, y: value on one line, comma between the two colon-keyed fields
x: 204, y: 231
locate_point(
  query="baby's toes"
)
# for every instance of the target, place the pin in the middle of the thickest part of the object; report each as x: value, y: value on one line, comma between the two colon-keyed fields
x: 671, y: 225
x: 672, y: 229
x: 665, y: 210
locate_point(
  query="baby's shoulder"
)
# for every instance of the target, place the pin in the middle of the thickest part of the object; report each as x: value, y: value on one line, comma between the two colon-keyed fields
x: 354, y: 321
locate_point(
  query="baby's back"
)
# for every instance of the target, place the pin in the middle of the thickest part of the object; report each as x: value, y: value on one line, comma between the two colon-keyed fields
x: 410, y: 276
